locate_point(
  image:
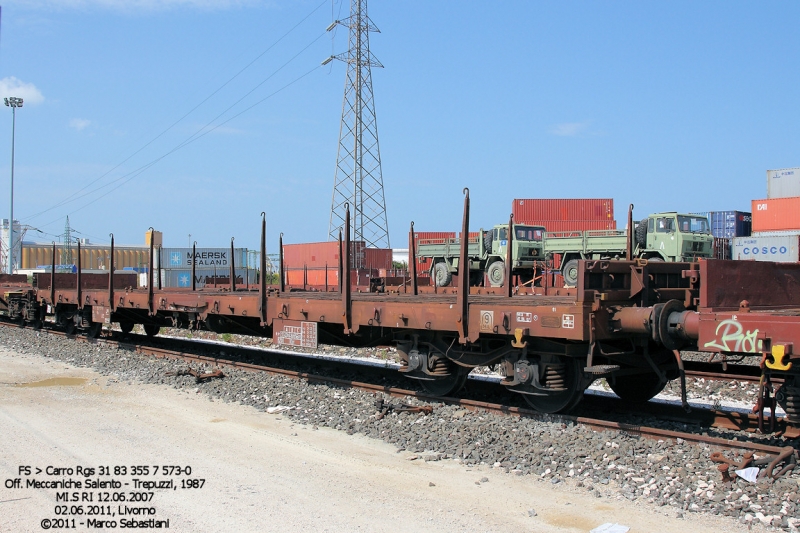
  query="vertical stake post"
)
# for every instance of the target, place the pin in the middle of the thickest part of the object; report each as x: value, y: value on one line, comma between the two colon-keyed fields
x: 262, y: 285
x: 462, y: 299
x: 346, y: 288
x: 509, y: 255
x: 53, y: 279
x: 194, y: 266
x: 232, y: 269
x: 150, y: 276
x: 412, y: 259
x: 111, y: 276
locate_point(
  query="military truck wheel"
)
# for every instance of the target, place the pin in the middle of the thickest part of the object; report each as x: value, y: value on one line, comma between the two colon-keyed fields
x: 655, y: 259
x: 496, y: 273
x: 640, y: 234
x: 442, y: 275
x: 487, y: 242
x: 570, y: 273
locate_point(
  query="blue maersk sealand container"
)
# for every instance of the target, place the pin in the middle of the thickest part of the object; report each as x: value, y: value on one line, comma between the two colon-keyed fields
x: 729, y: 224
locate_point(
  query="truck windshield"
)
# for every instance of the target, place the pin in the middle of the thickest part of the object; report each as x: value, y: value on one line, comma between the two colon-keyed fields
x: 526, y: 233
x: 687, y: 224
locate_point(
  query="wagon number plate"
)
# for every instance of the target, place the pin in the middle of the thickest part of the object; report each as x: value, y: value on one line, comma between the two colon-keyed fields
x: 295, y: 333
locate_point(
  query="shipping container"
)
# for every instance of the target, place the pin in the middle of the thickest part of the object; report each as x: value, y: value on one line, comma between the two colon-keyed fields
x: 776, y: 214
x: 205, y: 276
x: 319, y: 254
x: 783, y: 249
x: 156, y: 236
x: 181, y: 258
x: 92, y: 257
x: 775, y: 233
x: 783, y: 183
x: 722, y: 248
x: 574, y: 225
x: 727, y: 224
x: 526, y: 211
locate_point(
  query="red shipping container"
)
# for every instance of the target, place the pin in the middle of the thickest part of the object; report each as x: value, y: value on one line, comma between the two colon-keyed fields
x: 377, y: 258
x: 574, y: 225
x: 527, y: 210
x: 776, y: 214
x: 319, y: 254
x: 311, y: 254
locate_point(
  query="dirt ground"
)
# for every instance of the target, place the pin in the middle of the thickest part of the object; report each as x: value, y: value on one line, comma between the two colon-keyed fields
x: 261, y: 472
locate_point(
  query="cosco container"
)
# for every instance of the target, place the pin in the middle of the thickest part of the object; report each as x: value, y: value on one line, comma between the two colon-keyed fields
x: 783, y: 183
x: 783, y: 249
x: 181, y: 258
x: 529, y: 210
x: 776, y: 214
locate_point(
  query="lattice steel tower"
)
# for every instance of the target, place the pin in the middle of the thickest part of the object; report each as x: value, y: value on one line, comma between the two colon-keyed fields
x: 358, y: 180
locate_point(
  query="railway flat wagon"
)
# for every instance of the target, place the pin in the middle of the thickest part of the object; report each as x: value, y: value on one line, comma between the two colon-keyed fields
x: 624, y: 321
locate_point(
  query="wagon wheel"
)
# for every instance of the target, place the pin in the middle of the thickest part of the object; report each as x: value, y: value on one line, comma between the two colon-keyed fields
x: 94, y: 330
x: 151, y: 330
x: 570, y: 374
x: 637, y: 388
x: 70, y: 327
x: 126, y: 326
x: 448, y: 385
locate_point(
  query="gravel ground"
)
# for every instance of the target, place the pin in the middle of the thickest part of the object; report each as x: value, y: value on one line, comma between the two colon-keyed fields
x: 675, y: 478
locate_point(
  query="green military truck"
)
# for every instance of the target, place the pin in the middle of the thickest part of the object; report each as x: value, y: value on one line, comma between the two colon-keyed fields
x: 487, y: 254
x: 659, y: 237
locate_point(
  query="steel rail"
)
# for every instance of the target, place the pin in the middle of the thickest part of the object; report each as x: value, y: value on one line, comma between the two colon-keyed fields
x: 473, y: 405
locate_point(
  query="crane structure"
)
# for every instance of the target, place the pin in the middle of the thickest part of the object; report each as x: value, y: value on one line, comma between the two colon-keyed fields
x: 358, y: 180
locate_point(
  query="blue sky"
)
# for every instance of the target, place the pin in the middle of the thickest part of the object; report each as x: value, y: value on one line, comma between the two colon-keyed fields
x: 668, y: 105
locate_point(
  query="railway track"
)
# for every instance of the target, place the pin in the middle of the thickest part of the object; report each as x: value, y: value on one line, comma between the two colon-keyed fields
x: 699, y: 418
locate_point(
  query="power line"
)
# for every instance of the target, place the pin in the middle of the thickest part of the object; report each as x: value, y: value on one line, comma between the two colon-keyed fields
x: 197, y: 135
x: 73, y: 197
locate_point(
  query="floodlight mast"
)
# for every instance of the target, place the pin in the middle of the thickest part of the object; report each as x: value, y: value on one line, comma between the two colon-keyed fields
x: 13, y: 102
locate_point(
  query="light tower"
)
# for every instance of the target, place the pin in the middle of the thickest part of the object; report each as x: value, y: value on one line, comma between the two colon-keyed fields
x: 358, y: 180
x: 13, y: 102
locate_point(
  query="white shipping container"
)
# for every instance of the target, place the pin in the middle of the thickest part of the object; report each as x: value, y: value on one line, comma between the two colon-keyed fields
x: 783, y: 183
x: 780, y: 249
x: 776, y: 233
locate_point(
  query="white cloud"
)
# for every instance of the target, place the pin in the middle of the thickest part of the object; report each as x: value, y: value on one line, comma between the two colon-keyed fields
x: 569, y: 129
x: 11, y: 86
x: 79, y: 124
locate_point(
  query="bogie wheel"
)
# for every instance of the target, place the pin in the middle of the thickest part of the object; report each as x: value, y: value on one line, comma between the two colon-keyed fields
x: 570, y: 273
x: 442, y: 274
x: 637, y: 388
x: 126, y: 326
x: 37, y: 324
x: 564, y: 400
x: 447, y: 385
x: 151, y: 330
x: 496, y: 273
x: 94, y: 330
x: 70, y: 327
